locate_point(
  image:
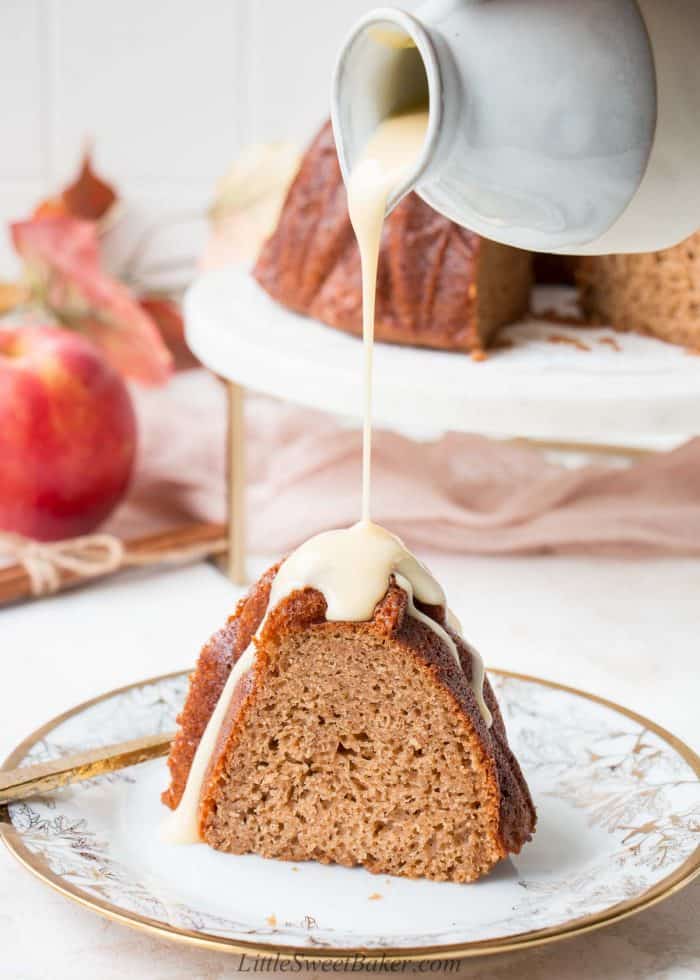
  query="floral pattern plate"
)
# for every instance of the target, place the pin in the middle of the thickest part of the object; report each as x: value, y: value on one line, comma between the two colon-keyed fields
x: 619, y: 829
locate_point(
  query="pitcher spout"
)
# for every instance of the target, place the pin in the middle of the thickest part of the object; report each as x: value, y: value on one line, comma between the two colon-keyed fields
x: 389, y: 65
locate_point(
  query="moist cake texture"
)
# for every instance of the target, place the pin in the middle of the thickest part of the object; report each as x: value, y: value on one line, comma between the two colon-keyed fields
x: 351, y: 743
x: 655, y: 293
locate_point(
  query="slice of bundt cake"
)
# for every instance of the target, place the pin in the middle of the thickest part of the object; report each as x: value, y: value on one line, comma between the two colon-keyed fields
x: 439, y: 285
x: 358, y: 743
x: 655, y: 293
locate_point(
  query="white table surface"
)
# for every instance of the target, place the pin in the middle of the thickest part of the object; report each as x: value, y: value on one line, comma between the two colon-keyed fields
x: 628, y: 631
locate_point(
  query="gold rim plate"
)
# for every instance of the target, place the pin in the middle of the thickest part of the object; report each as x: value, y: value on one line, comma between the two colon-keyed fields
x: 678, y: 879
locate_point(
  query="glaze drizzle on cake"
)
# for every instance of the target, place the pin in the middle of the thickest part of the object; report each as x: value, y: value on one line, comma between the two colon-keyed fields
x: 352, y: 569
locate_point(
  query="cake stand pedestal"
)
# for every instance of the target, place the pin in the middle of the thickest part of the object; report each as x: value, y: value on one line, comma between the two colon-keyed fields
x: 235, y: 462
x: 548, y: 383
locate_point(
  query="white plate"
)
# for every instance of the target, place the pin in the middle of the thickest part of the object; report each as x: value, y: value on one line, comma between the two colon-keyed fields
x: 619, y: 829
x: 536, y: 388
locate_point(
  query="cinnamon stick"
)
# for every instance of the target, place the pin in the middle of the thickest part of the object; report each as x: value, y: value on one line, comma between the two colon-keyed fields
x: 191, y: 542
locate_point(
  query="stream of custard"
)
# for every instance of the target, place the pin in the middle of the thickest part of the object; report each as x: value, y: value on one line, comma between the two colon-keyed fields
x: 388, y: 159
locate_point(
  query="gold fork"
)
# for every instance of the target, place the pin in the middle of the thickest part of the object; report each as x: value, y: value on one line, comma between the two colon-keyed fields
x: 26, y: 781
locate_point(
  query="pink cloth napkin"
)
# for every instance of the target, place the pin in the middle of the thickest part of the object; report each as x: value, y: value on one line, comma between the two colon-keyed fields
x: 463, y: 494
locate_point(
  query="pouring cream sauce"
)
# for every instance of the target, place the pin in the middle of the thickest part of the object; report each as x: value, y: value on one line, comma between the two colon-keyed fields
x: 350, y: 567
x: 388, y: 159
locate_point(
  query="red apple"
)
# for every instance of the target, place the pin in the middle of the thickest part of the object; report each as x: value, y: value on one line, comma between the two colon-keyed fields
x: 67, y: 433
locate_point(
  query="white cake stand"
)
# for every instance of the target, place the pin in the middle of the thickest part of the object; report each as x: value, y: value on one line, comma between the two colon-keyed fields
x: 553, y: 384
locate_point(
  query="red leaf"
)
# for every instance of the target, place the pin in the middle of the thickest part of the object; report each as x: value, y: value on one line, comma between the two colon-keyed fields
x: 166, y: 314
x: 88, y: 197
x: 50, y: 207
x: 61, y: 256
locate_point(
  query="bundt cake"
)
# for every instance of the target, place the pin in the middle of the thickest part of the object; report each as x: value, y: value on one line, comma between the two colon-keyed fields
x: 656, y: 293
x: 439, y: 285
x: 375, y: 743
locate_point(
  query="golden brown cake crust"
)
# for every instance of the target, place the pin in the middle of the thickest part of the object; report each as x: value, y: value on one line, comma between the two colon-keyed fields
x: 305, y: 609
x: 438, y: 284
x: 215, y: 663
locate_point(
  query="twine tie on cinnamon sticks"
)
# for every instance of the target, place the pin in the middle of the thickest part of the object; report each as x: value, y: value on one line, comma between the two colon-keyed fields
x: 87, y: 557
x: 46, y: 567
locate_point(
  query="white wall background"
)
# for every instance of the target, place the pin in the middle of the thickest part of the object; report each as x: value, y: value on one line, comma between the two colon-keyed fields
x: 167, y: 90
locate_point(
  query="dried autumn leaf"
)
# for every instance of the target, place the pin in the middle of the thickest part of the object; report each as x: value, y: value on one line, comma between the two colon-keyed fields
x: 168, y: 318
x: 88, y: 197
x: 51, y: 207
x: 62, y: 269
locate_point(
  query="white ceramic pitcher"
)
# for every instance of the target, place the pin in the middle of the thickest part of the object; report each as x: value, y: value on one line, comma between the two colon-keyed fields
x: 568, y: 126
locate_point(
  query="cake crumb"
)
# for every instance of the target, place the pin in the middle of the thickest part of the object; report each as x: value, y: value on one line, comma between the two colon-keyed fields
x: 295, y: 869
x: 479, y: 355
x: 271, y: 920
x: 375, y: 896
x: 561, y: 338
x: 610, y: 341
